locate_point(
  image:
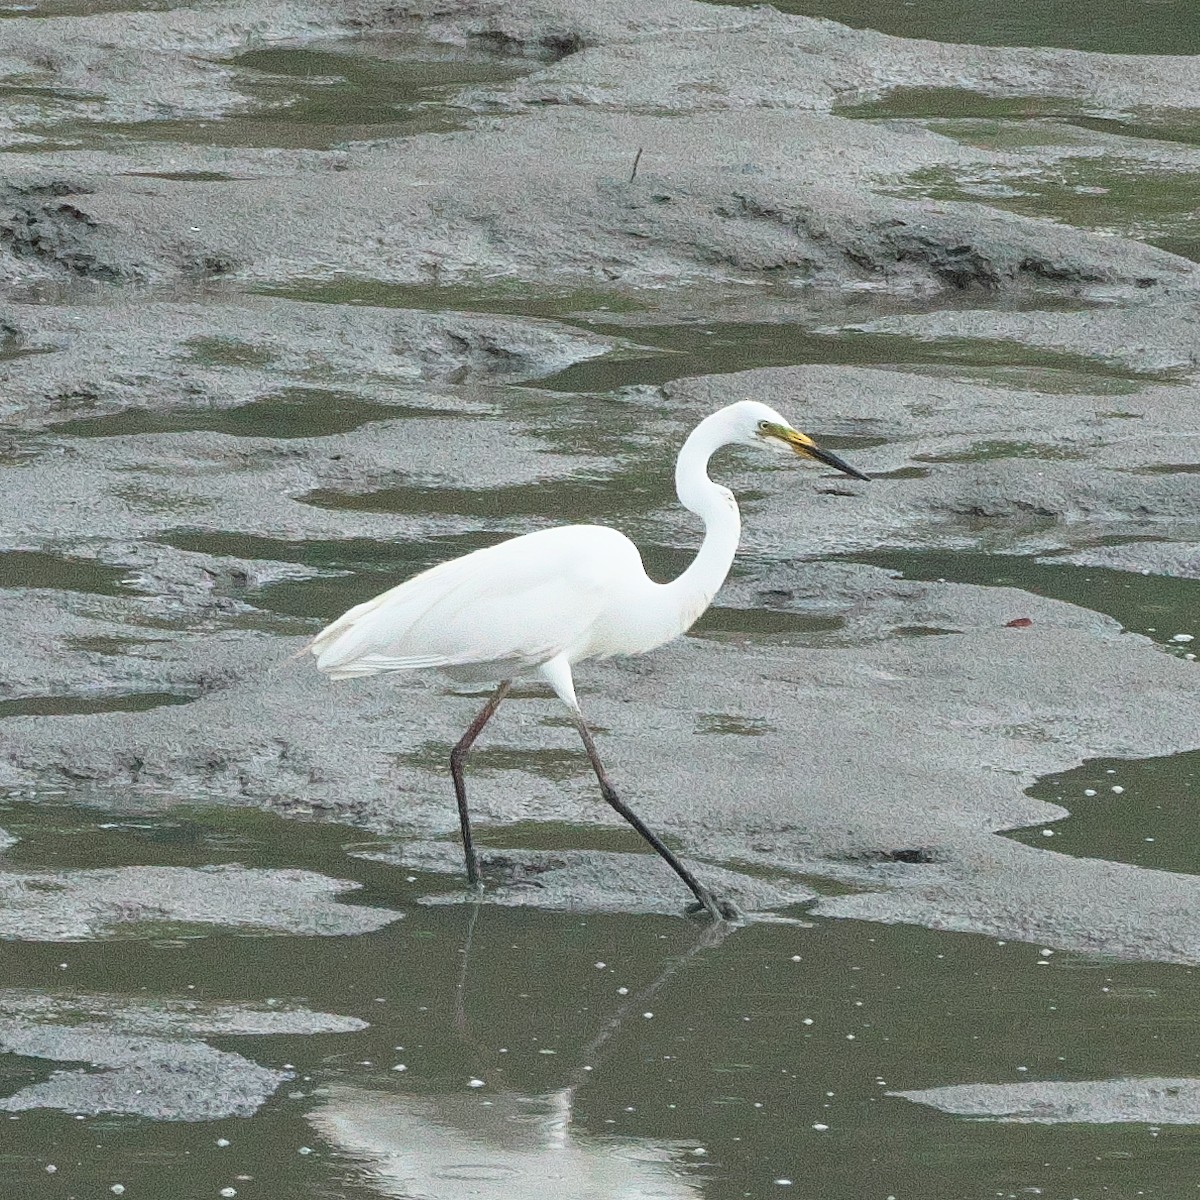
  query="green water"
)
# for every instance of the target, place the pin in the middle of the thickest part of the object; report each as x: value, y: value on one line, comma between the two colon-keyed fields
x: 42, y: 569
x: 300, y: 98
x: 1142, y: 812
x: 291, y: 413
x: 71, y: 706
x: 1016, y: 123
x: 660, y: 347
x: 1159, y: 606
x: 716, y: 347
x: 1114, y: 195
x: 707, y: 1076
x: 653, y: 1058
x: 1108, y: 26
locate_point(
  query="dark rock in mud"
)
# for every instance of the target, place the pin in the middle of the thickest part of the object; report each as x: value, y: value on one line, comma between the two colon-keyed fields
x: 42, y: 229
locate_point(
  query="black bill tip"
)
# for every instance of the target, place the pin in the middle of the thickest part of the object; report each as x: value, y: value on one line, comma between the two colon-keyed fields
x: 832, y: 460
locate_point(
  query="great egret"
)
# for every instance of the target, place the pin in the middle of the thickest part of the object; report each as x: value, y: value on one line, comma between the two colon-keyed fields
x: 539, y: 603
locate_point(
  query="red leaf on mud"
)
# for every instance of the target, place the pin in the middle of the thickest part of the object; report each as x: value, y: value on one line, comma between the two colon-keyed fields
x: 1019, y: 623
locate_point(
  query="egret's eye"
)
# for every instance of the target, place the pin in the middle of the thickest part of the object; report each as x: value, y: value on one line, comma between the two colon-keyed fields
x: 763, y: 426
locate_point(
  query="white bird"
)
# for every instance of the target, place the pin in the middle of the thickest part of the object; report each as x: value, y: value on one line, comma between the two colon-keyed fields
x: 537, y: 604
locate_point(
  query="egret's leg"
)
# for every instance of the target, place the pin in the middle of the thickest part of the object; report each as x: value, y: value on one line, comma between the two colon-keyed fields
x: 718, y: 909
x: 457, y: 757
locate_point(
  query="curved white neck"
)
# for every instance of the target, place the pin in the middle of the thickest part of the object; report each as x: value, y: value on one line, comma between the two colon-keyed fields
x: 693, y: 591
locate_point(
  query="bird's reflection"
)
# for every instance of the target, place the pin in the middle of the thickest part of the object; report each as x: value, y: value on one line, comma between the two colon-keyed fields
x: 504, y: 1145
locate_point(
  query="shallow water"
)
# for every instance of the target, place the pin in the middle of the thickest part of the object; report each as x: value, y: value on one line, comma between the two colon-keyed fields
x: 1159, y: 606
x: 293, y: 412
x: 76, y: 705
x: 42, y: 569
x: 1021, y: 122
x: 1156, y: 206
x: 1109, y: 26
x: 299, y: 98
x: 1140, y: 811
x: 639, y: 1054
x: 725, y: 1067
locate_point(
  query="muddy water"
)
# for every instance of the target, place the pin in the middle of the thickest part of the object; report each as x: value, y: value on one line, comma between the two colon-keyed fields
x: 1110, y: 26
x: 1159, y: 606
x: 633, y: 1053
x: 304, y: 99
x: 636, y: 1053
x: 1141, y: 812
x: 293, y: 412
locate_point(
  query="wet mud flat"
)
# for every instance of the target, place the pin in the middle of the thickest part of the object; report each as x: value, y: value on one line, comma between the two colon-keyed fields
x: 299, y: 299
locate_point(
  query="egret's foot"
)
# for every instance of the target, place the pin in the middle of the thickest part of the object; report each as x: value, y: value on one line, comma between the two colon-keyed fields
x: 718, y: 909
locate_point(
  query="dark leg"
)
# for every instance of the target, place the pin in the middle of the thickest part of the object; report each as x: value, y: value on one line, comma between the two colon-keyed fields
x: 718, y: 909
x: 457, y: 756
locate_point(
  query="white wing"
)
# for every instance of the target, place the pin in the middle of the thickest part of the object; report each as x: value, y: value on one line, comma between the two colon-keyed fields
x: 517, y: 604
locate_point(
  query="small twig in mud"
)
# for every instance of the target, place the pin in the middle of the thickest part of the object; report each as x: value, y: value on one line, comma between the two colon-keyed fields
x: 637, y: 158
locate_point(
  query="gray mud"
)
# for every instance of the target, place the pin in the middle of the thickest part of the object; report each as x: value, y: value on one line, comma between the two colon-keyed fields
x: 297, y: 299
x: 1149, y: 1101
x: 133, y: 1068
x: 218, y: 471
x: 66, y: 906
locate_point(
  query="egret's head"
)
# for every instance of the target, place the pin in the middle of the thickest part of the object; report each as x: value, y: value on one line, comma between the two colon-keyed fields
x: 761, y: 425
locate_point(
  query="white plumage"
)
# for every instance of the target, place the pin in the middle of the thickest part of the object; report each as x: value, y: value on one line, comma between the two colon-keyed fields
x: 495, y: 613
x: 539, y: 603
